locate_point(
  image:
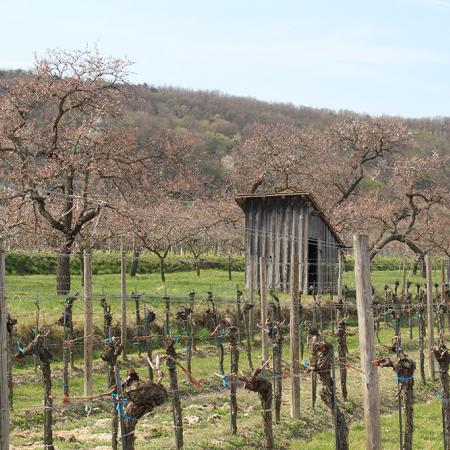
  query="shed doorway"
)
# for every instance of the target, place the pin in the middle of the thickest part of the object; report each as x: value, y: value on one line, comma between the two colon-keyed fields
x: 313, y: 264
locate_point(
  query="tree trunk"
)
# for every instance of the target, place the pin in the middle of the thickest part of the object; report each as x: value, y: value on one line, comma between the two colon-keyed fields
x: 263, y: 387
x: 442, y: 356
x: 404, y: 368
x: 322, y: 365
x: 10, y: 323
x: 111, y: 351
x: 342, y: 352
x: 134, y: 262
x: 37, y: 347
x: 313, y: 389
x: 48, y: 405
x: 421, y: 325
x: 276, y: 336
x: 197, y: 266
x: 63, y: 273
x: 142, y: 398
x: 162, y: 269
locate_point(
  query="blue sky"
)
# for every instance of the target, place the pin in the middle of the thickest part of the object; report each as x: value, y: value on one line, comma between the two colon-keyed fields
x: 374, y: 56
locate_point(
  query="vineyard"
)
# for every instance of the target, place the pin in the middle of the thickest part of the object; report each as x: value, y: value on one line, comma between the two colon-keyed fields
x: 191, y: 270
x: 179, y: 364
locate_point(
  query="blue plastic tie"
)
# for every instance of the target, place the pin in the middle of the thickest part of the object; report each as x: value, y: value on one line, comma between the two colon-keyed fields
x: 305, y: 363
x: 122, y: 403
x: 20, y: 348
x: 404, y: 379
x: 226, y: 381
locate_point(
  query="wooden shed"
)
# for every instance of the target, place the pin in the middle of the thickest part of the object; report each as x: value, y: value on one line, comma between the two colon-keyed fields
x: 278, y: 224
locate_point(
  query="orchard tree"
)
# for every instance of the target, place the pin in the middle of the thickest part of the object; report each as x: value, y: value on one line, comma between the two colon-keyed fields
x: 353, y: 147
x: 272, y: 157
x: 362, y: 170
x: 66, y: 150
x: 157, y: 228
x: 59, y: 148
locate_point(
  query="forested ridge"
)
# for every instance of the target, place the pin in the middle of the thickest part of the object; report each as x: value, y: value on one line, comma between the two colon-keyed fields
x: 217, y: 122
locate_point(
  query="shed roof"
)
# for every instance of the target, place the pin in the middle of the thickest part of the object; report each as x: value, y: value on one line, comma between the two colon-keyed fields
x: 241, y: 200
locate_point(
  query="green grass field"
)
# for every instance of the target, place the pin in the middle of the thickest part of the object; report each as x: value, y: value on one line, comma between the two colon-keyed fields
x: 85, y: 425
x: 23, y: 290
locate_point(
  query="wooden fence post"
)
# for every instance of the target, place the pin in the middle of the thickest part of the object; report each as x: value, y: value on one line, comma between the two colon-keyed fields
x: 340, y: 272
x: 294, y: 341
x: 262, y: 293
x: 4, y: 390
x: 88, y: 325
x: 123, y: 302
x: 176, y: 404
x: 370, y: 384
x: 430, y: 319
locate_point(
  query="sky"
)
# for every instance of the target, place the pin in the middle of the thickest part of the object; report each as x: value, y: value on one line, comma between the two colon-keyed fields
x: 371, y: 56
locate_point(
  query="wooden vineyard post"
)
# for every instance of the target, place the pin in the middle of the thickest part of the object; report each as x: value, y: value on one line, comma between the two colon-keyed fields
x: 370, y: 384
x: 88, y: 325
x: 294, y: 341
x: 36, y: 331
x: 174, y: 390
x: 238, y: 312
x: 137, y: 305
x: 340, y: 273
x: 430, y: 320
x: 123, y: 302
x: 251, y: 311
x: 191, y: 321
x: 4, y: 390
x: 166, y: 300
x: 262, y: 293
x: 404, y: 273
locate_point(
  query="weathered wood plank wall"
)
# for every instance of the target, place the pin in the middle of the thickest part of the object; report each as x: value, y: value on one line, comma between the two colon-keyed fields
x: 275, y: 227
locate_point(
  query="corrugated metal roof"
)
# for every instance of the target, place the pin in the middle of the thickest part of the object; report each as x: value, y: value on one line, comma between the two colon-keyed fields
x: 241, y: 200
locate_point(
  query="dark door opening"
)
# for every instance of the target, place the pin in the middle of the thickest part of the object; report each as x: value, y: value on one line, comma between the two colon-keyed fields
x: 313, y: 261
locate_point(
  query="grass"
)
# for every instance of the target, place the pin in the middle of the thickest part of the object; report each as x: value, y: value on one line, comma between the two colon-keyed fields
x: 206, y: 412
x: 22, y: 291
x: 427, y: 431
